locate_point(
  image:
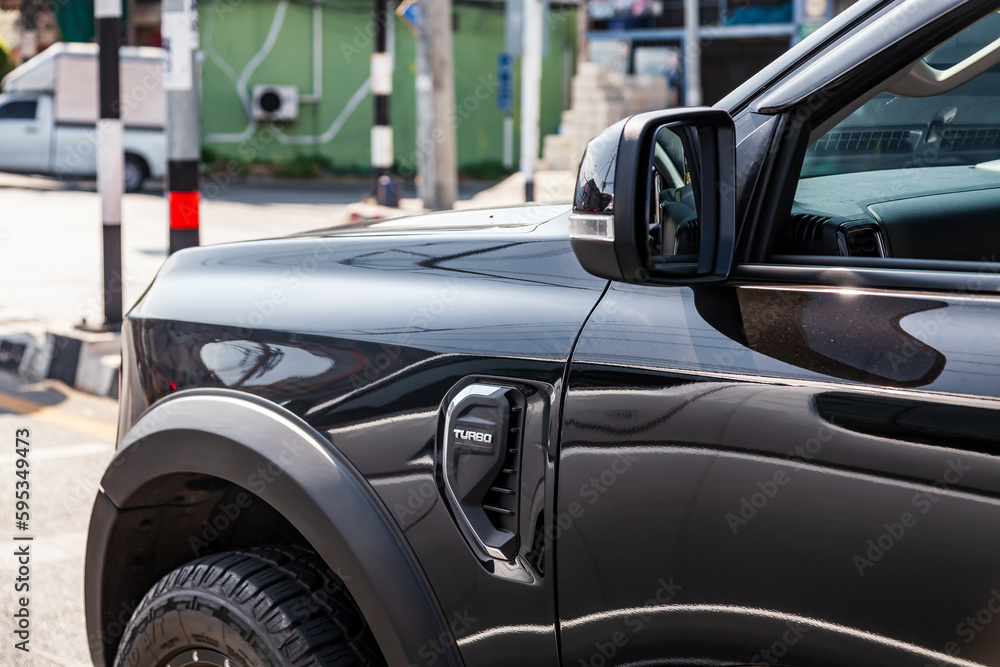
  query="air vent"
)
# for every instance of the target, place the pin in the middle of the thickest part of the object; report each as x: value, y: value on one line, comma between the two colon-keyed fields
x: 970, y: 138
x: 807, y: 227
x: 500, y: 502
x: 861, y: 241
x: 689, y: 231
x: 481, y: 461
x: 688, y: 238
x: 867, y: 141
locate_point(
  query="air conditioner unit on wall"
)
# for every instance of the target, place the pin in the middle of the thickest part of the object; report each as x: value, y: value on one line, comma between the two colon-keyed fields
x: 275, y: 102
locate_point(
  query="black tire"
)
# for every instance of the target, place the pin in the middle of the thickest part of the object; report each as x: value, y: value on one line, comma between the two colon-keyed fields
x: 136, y: 171
x: 270, y: 606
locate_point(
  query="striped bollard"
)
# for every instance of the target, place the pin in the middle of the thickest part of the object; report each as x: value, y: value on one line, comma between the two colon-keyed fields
x: 180, y: 81
x: 110, y: 155
x: 381, y: 78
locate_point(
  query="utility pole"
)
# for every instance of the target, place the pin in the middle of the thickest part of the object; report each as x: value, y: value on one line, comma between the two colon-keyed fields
x: 505, y: 103
x: 424, y: 85
x: 443, y: 77
x: 513, y: 43
x: 180, y: 81
x: 110, y: 155
x: 29, y: 29
x: 531, y: 82
x: 381, y: 77
x: 692, y: 53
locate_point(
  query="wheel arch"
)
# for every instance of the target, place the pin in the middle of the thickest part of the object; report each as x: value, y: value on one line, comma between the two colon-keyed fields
x: 258, y: 447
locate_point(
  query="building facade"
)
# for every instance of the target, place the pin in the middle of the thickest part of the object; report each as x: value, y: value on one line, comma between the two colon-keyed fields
x: 248, y: 43
x: 251, y: 43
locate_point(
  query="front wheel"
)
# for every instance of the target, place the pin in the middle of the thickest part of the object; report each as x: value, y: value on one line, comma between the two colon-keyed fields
x: 134, y: 172
x: 271, y: 606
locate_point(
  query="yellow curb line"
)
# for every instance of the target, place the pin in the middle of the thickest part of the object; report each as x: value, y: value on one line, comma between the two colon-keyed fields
x: 57, y: 417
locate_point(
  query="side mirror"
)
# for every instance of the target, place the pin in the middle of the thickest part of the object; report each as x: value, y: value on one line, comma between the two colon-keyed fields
x: 655, y: 199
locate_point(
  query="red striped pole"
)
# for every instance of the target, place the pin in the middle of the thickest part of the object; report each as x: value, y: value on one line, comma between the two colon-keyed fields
x: 185, y: 204
x: 180, y: 81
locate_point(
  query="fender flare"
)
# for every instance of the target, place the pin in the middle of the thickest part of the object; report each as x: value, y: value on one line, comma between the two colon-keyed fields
x: 232, y: 435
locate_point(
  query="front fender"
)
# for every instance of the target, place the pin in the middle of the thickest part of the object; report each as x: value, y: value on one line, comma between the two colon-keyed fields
x: 244, y: 439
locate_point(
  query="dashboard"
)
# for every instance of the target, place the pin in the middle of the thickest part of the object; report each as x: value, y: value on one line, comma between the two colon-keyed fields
x: 934, y: 213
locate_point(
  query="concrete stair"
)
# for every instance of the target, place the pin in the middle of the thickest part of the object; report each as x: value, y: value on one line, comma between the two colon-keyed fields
x: 600, y: 98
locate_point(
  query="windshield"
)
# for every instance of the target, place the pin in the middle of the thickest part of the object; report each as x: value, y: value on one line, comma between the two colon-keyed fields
x: 959, y: 127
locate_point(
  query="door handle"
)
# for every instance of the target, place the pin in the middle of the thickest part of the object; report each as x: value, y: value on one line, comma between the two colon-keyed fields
x: 970, y: 428
x: 31, y: 130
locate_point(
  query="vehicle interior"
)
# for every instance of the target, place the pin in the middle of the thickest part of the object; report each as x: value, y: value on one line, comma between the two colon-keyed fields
x: 673, y: 228
x: 914, y: 171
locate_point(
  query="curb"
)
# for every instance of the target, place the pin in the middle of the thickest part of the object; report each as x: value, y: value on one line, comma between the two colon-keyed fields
x: 84, y: 360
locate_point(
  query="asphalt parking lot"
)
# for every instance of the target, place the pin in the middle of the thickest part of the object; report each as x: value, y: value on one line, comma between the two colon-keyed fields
x: 71, y: 440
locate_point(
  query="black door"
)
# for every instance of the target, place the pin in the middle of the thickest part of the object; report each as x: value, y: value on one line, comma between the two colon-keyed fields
x: 781, y: 476
x: 802, y: 466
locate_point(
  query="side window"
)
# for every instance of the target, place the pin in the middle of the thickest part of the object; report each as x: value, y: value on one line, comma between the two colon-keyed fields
x: 915, y: 171
x: 18, y: 110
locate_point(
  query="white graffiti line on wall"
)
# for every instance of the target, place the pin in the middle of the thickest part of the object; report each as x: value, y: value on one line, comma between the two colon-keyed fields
x: 338, y: 122
x: 241, y: 84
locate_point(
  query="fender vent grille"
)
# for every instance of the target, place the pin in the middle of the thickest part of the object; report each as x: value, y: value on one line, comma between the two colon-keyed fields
x: 807, y: 227
x: 500, y: 502
x: 481, y: 461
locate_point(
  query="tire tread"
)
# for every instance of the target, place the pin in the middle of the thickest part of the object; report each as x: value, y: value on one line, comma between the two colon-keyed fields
x: 288, y: 592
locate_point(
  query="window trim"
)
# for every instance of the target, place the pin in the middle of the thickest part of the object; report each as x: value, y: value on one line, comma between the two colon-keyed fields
x: 910, y: 275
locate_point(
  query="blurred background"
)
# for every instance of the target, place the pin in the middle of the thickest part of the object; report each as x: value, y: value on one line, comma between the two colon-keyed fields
x: 602, y: 59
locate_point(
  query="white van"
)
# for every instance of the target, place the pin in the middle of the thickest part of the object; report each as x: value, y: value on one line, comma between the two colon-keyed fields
x: 49, y: 110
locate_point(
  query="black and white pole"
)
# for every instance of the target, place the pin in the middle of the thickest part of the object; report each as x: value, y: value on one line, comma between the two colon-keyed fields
x: 110, y: 154
x: 381, y: 79
x: 180, y: 81
x: 531, y: 82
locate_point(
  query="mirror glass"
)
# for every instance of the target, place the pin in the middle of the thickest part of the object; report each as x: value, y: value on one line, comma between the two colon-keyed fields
x: 674, y: 230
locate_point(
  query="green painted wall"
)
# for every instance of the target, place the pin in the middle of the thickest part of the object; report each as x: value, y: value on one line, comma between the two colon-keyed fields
x: 232, y: 35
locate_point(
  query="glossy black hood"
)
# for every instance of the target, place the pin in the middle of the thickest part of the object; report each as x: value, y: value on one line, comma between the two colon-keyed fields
x: 508, y: 217
x: 292, y: 319
x: 289, y: 283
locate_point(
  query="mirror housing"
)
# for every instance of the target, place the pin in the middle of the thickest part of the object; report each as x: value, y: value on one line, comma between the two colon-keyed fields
x: 610, y: 224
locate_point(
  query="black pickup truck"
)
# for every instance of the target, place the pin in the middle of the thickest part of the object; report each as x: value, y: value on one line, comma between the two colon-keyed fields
x: 740, y: 405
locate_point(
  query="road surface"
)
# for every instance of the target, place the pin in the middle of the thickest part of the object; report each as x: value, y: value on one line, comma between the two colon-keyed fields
x: 50, y: 237
x: 70, y: 438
